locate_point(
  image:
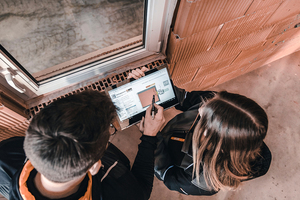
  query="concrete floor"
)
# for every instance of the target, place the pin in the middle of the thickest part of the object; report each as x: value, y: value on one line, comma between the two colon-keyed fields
x: 276, y: 88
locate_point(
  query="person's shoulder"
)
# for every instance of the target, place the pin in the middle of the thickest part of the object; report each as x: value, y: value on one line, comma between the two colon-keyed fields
x: 12, y: 157
x: 12, y: 142
x: 263, y: 161
x: 124, y: 187
x: 266, y: 153
x: 12, y: 148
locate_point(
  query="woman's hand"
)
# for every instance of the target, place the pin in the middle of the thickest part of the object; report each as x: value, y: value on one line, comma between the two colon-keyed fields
x: 151, y: 126
x: 137, y: 73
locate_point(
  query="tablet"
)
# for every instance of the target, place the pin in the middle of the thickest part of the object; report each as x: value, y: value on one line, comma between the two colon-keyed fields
x: 133, y: 97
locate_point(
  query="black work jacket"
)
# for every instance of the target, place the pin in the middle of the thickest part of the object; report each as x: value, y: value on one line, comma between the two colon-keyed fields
x: 175, y: 169
x: 114, y: 181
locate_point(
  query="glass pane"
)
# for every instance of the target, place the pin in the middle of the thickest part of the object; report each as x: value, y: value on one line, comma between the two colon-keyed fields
x: 49, y: 36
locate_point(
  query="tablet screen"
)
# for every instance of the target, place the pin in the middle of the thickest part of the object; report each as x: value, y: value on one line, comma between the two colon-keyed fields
x: 134, y: 97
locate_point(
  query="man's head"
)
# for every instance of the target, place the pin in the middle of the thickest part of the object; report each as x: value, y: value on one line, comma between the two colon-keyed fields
x: 66, y: 138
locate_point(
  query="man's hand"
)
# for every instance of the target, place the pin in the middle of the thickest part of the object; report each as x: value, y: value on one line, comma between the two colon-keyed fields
x: 137, y: 73
x: 151, y: 126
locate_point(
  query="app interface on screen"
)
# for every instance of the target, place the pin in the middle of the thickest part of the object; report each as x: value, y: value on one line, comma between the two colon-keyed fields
x: 136, y: 96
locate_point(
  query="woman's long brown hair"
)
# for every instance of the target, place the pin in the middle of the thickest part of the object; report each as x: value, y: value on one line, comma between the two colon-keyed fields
x: 227, y: 138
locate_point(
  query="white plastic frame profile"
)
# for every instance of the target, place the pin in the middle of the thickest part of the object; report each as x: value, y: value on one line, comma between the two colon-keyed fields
x: 14, y: 76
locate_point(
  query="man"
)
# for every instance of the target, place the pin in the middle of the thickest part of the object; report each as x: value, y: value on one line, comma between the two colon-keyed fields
x: 65, y: 154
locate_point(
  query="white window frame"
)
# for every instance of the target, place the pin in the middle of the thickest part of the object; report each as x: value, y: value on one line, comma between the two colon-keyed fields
x: 159, y: 17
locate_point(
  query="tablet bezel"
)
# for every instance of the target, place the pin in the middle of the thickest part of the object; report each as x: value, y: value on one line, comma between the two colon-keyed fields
x: 137, y: 118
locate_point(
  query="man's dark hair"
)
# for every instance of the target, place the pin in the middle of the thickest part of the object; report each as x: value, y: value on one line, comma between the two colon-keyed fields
x: 68, y: 136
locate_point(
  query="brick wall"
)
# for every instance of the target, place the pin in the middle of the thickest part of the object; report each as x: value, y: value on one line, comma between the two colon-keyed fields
x: 13, y: 120
x: 213, y: 41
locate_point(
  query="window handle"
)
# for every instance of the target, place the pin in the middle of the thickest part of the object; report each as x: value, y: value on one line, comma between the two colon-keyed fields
x: 11, y: 81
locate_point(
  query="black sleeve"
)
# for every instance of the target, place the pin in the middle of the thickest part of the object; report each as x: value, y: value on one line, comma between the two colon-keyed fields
x: 176, y: 179
x: 118, y: 181
x: 189, y: 99
x: 12, y: 158
x: 162, y: 158
x: 262, y: 164
x: 143, y: 166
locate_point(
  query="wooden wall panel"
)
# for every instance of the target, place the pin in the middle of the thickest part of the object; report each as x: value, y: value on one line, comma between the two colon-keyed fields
x: 215, y: 41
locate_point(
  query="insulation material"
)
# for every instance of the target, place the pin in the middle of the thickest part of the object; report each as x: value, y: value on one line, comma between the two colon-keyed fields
x: 245, y: 25
x: 186, y: 48
x: 248, y: 41
x: 197, y: 16
x: 287, y: 9
x: 259, y: 4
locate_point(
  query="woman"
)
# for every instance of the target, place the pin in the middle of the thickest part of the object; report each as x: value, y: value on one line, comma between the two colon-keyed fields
x: 216, y: 143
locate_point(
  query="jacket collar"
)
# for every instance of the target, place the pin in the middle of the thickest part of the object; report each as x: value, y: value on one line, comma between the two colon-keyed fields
x: 28, y: 196
x: 187, y: 160
x: 187, y: 145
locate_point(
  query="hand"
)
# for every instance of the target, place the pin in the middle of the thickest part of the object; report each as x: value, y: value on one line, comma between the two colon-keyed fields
x: 137, y: 73
x: 151, y: 126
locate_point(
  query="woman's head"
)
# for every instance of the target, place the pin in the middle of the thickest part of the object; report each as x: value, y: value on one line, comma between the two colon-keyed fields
x: 227, y: 138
